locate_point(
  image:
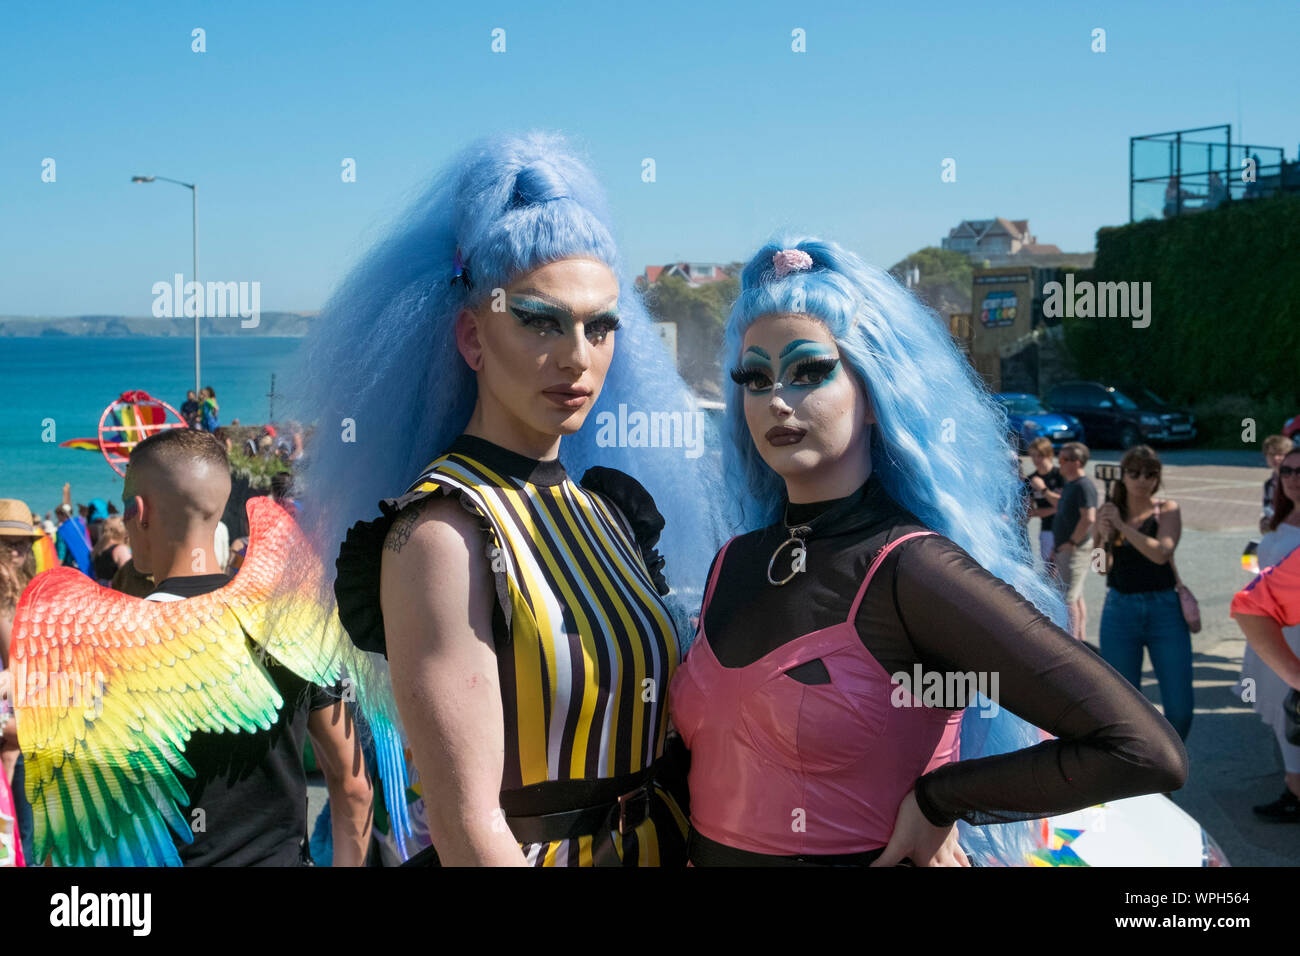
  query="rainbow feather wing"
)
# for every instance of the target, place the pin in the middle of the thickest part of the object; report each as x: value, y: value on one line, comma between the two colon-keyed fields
x: 277, y: 598
x: 274, y: 596
x: 109, y: 689
x: 374, y: 693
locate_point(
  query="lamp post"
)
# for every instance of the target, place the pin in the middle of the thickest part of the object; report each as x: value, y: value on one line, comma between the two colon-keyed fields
x: 194, y: 196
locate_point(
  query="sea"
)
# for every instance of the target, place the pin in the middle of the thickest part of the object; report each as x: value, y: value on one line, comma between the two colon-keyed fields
x: 54, y: 388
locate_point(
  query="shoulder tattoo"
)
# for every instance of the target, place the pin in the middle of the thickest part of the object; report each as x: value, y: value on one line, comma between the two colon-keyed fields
x: 400, y: 532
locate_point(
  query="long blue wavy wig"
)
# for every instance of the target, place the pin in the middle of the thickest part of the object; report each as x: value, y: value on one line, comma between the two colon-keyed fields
x: 388, y: 391
x: 940, y: 448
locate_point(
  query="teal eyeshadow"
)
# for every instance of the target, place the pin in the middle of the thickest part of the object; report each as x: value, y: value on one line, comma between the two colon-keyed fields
x: 540, y: 307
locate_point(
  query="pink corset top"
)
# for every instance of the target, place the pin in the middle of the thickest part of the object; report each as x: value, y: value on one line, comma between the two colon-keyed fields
x: 787, y: 768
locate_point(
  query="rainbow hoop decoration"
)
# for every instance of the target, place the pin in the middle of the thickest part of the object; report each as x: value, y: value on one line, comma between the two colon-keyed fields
x: 126, y: 422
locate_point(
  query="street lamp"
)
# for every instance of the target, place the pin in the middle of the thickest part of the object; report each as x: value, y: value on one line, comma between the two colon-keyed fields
x: 194, y: 195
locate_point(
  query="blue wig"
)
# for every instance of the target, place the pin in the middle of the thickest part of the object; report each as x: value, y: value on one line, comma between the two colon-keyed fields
x: 939, y: 447
x: 388, y: 390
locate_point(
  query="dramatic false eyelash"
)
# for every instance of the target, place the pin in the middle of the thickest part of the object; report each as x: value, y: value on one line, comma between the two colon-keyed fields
x: 744, y: 375
x: 816, y: 367
x: 606, y: 323
x: 531, y: 318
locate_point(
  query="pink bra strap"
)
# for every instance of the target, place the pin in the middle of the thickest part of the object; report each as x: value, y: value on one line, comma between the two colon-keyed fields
x: 871, y: 572
x: 713, y: 578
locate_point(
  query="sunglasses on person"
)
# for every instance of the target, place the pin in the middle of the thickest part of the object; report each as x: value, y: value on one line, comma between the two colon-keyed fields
x: 1136, y: 473
x: 129, y: 510
x: 1286, y: 471
x: 1068, y: 458
x: 14, y: 543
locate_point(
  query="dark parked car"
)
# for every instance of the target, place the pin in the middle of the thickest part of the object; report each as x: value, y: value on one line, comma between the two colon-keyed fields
x: 1027, y: 419
x: 1122, y: 416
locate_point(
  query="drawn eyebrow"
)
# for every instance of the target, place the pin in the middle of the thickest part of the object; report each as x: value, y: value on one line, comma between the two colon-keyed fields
x: 794, y: 345
x: 557, y: 304
x: 757, y: 351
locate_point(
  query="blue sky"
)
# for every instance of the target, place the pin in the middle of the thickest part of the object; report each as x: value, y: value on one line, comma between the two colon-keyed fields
x: 845, y: 140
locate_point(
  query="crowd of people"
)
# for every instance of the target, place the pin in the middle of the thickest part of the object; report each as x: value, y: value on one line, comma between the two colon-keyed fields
x: 1130, y: 538
x: 557, y: 711
x: 200, y: 409
x: 201, y: 412
x: 1148, y: 609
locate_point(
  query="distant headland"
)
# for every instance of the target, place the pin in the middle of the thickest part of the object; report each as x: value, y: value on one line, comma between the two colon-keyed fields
x: 283, y: 324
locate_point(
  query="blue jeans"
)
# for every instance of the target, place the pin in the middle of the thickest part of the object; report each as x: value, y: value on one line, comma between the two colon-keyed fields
x: 1154, y: 620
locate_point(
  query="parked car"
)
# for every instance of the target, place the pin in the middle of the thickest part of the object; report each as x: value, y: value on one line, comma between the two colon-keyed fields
x: 1292, y: 428
x: 1122, y: 416
x: 1028, y: 419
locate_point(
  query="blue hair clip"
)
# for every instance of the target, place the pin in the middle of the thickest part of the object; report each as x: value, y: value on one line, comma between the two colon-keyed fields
x: 462, y: 271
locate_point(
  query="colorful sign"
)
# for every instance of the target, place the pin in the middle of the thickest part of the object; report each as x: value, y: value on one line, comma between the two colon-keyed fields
x: 998, y: 309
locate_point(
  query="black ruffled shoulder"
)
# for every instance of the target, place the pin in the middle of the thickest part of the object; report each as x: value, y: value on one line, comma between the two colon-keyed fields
x: 358, y: 565
x: 356, y: 583
x: 638, y: 509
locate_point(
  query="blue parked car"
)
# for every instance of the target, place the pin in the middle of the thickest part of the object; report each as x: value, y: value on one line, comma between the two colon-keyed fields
x: 1028, y: 418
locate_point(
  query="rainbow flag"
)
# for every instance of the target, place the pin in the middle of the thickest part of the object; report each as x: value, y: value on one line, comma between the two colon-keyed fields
x: 81, y: 444
x: 46, y: 554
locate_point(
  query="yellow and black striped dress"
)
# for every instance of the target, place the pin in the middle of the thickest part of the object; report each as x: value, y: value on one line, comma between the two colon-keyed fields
x: 585, y: 644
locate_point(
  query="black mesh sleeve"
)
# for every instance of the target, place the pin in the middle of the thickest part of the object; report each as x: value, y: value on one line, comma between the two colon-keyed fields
x: 1111, y: 742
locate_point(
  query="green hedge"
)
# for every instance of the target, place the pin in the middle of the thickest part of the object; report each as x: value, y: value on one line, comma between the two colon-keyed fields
x: 257, y: 470
x: 1225, y: 313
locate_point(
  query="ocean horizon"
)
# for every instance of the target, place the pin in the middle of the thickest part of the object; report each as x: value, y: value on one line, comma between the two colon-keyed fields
x: 64, y: 383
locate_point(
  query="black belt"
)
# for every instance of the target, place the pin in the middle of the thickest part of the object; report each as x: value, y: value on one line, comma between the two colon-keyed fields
x: 705, y: 852
x: 534, y: 814
x: 538, y: 814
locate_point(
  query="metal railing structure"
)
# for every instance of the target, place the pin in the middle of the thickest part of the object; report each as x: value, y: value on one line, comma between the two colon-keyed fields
x: 1195, y: 170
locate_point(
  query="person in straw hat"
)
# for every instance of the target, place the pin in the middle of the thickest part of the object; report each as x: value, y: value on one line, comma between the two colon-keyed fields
x: 17, y: 567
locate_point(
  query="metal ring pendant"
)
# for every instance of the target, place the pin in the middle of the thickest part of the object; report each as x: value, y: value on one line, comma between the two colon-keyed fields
x: 793, y: 539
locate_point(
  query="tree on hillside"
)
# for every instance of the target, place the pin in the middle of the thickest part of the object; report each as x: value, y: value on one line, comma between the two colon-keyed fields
x: 945, y: 278
x: 700, y: 313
